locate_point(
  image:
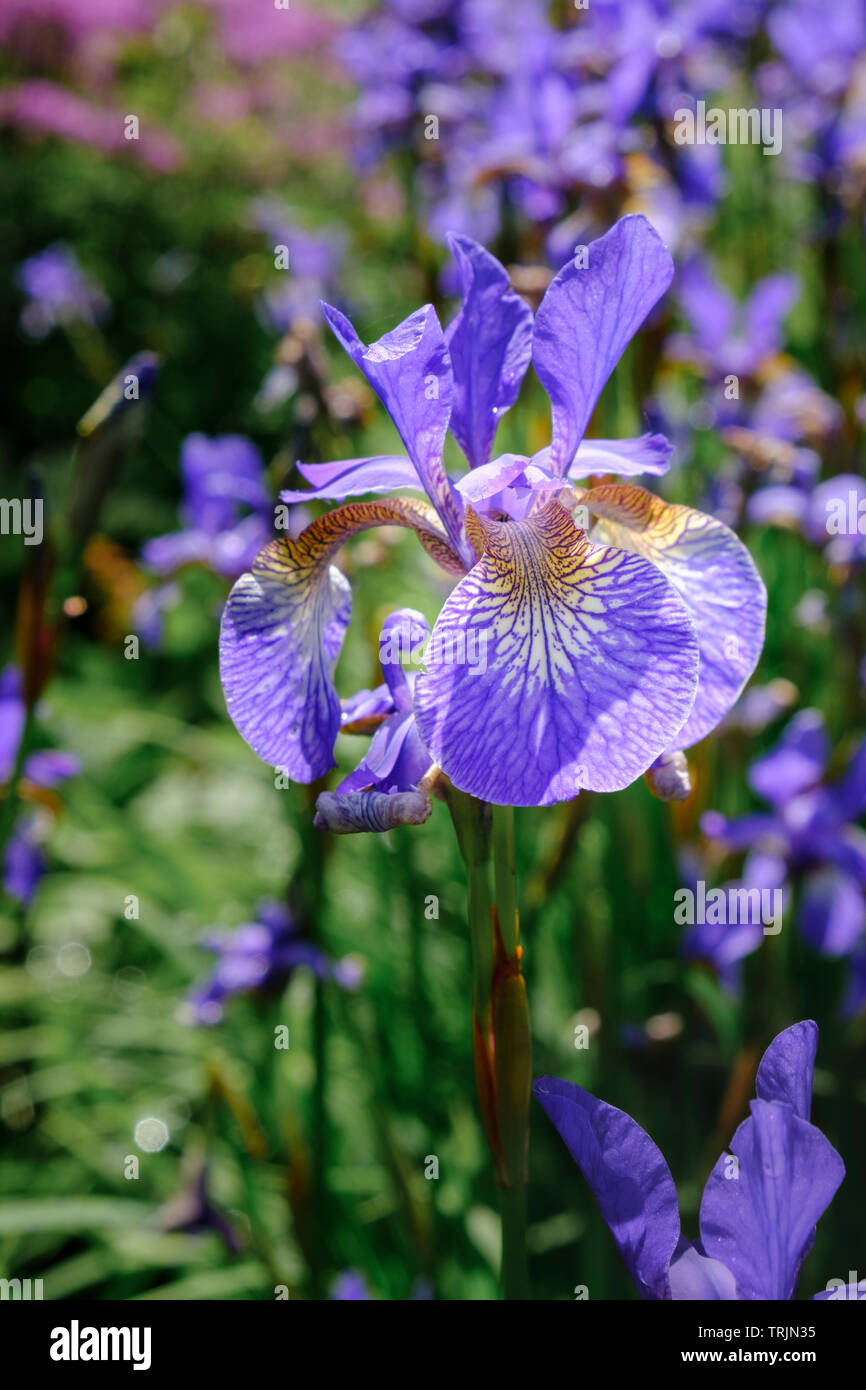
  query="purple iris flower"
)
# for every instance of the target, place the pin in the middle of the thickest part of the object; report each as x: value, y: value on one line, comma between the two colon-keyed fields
x: 226, y: 508
x: 722, y: 945
x: 601, y: 651
x: 727, y: 337
x: 809, y: 836
x: 46, y: 769
x: 58, y: 292
x: 262, y: 955
x: 312, y: 270
x: 831, y: 514
x: 193, y: 1212
x: 761, y: 1201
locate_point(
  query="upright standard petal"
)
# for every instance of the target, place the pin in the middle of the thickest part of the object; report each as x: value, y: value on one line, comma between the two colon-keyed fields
x: 283, y: 626
x: 554, y: 665
x: 588, y: 315
x: 714, y: 575
x: 629, y: 1178
x: 758, y: 1215
x: 490, y: 342
x: 787, y: 1067
x: 410, y: 371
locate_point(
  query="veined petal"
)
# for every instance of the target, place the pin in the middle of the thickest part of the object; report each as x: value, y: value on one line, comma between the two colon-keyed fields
x: 787, y: 1067
x: 490, y: 342
x: 554, y: 665
x: 354, y: 477
x: 410, y: 371
x: 587, y: 317
x: 628, y: 458
x: 759, y: 1217
x: 714, y: 575
x: 628, y: 1176
x: 283, y: 626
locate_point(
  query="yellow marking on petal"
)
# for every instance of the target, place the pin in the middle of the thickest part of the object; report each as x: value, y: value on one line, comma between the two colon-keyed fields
x: 318, y: 541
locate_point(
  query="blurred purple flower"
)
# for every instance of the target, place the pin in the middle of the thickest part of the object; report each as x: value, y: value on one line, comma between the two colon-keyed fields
x: 727, y: 337
x: 58, y: 292
x: 47, y: 108
x: 261, y: 955
x: 809, y: 835
x: 46, y: 768
x: 226, y: 509
x: 311, y: 275
x: 831, y: 514
x: 193, y: 1212
x: 350, y: 1287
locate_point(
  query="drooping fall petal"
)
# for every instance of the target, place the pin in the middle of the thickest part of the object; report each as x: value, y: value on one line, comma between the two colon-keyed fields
x: 554, y: 665
x: 714, y: 575
x: 283, y: 627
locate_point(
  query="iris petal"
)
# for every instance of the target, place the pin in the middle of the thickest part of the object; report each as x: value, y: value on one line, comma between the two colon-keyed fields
x: 714, y: 575
x: 283, y: 627
x: 628, y: 1176
x: 627, y: 458
x: 354, y: 477
x: 758, y: 1217
x: 694, y: 1278
x: 588, y: 315
x: 554, y: 665
x: 787, y: 1067
x: 410, y: 371
x: 490, y: 342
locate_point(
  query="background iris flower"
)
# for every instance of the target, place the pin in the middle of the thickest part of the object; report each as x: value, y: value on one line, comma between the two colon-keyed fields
x: 604, y: 650
x: 760, y: 1203
x: 43, y: 770
x: 808, y: 837
x: 261, y: 955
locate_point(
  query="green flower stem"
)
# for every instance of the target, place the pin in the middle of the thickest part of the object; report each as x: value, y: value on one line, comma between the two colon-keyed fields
x: 472, y: 824
x: 503, y: 1053
x: 513, y: 1059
